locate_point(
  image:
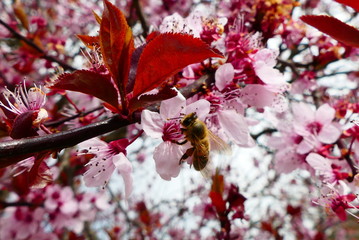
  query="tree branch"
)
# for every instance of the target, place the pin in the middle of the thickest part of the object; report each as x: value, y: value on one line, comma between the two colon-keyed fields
x: 140, y: 16
x: 37, y: 48
x: 57, y: 141
x: 66, y: 119
x: 13, y: 151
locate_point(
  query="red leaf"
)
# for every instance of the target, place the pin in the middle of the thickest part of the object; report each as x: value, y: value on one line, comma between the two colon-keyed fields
x: 217, y: 183
x: 92, y: 83
x: 37, y: 177
x: 91, y: 42
x: 40, y: 174
x: 351, y: 3
x: 335, y: 28
x: 22, y: 126
x: 165, y: 55
x: 149, y: 99
x: 218, y: 202
x: 216, y: 193
x: 117, y: 45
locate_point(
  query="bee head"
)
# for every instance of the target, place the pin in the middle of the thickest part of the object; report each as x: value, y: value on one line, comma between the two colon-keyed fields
x: 189, y: 119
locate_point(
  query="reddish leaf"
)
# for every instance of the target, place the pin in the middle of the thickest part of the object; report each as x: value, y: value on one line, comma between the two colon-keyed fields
x: 40, y: 174
x: 216, y: 193
x: 133, y: 68
x: 165, y: 55
x: 36, y: 176
x: 117, y: 45
x: 91, y: 42
x: 97, y: 17
x: 92, y: 83
x: 149, y: 99
x: 351, y: 3
x: 335, y: 28
x: 217, y: 183
x: 218, y: 202
x: 20, y: 13
x: 22, y: 126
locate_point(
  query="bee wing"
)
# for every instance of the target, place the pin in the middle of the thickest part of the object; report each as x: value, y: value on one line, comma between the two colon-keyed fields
x: 208, y: 170
x: 218, y: 145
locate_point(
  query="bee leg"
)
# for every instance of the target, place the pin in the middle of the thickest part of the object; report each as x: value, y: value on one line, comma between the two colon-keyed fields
x: 186, y: 155
x: 181, y: 143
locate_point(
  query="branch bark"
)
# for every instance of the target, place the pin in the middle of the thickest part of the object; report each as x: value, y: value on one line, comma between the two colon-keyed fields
x: 14, y: 151
x: 37, y: 48
x: 57, y: 141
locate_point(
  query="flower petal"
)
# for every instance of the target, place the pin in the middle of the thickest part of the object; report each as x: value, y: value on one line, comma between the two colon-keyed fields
x: 124, y: 166
x: 325, y: 114
x: 167, y: 156
x: 329, y: 134
x: 303, y: 113
x: 236, y: 127
x: 172, y: 107
x: 152, y: 123
x: 224, y: 75
x: 201, y: 107
x: 99, y: 172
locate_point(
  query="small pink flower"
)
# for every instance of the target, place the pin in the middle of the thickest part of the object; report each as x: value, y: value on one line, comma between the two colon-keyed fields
x: 22, y: 223
x: 325, y: 168
x: 165, y: 125
x: 224, y: 76
x: 21, y: 101
x: 316, y: 127
x: 337, y: 200
x: 287, y: 159
x: 60, y: 200
x: 264, y: 62
x: 234, y: 127
x: 255, y: 95
x: 107, y: 157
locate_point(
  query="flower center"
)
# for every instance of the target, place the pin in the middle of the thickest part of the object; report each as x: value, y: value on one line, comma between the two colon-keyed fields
x: 314, y: 127
x: 172, y: 131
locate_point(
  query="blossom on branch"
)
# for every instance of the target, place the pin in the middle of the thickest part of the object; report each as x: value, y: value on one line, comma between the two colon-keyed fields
x: 24, y: 110
x: 106, y: 158
x: 166, y: 125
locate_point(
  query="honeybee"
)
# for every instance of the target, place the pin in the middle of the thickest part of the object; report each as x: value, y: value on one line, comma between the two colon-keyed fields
x: 201, y: 139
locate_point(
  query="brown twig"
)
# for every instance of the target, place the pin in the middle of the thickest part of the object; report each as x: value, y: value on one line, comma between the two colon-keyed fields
x: 66, y: 119
x: 12, y: 151
x: 140, y: 16
x: 57, y: 141
x: 349, y: 160
x: 37, y: 48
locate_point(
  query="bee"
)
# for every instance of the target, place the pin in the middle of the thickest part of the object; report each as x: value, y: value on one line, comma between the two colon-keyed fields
x: 201, y: 139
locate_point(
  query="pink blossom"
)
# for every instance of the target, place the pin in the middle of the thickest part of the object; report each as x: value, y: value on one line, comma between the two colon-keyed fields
x: 107, y: 157
x: 177, y: 24
x: 287, y: 159
x: 22, y: 223
x: 224, y: 76
x: 264, y: 62
x: 338, y: 200
x: 70, y: 211
x: 255, y: 95
x: 234, y: 126
x: 325, y: 168
x: 21, y: 101
x: 165, y: 125
x: 60, y: 200
x: 316, y: 127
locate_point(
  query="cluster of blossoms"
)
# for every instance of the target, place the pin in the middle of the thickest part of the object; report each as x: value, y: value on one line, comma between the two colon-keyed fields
x: 56, y: 205
x: 212, y: 60
x: 52, y: 31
